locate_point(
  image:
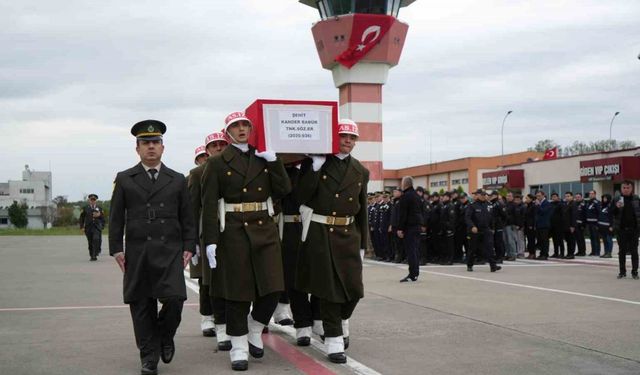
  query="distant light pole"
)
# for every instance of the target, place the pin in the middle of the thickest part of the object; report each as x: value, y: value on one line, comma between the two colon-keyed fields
x: 502, y: 138
x: 611, y: 124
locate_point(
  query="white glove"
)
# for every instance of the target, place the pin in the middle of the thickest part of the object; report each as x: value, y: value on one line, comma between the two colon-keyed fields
x: 211, y: 254
x: 194, y: 259
x: 362, y: 255
x: 318, y: 161
x: 267, y: 155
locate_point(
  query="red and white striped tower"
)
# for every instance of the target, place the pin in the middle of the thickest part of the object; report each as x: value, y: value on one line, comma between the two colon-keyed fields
x: 375, y: 37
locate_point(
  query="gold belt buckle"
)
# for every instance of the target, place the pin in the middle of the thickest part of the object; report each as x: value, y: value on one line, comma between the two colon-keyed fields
x: 237, y: 207
x: 341, y: 221
x: 331, y: 220
x: 296, y: 218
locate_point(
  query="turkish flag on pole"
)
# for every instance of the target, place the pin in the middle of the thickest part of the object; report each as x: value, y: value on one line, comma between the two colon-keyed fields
x: 366, y: 32
x: 551, y: 153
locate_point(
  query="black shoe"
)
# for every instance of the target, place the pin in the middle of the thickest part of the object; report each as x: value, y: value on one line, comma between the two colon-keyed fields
x: 286, y: 322
x: 605, y: 256
x: 511, y: 259
x: 346, y: 342
x: 581, y: 254
x: 542, y: 258
x: 93, y: 259
x: 554, y: 256
x: 570, y: 257
x: 149, y: 368
x: 593, y: 255
x: 211, y: 332
x: 635, y: 276
x: 338, y: 358
x: 495, y: 268
x: 240, y: 365
x: 622, y: 276
x: 409, y: 278
x: 167, y: 351
x: 255, y: 351
x: 303, y: 341
x: 224, y: 346
x: 469, y: 268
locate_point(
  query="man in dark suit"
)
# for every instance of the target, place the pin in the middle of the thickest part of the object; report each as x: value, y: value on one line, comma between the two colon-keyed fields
x: 150, y: 204
x: 332, y: 191
x: 543, y: 224
x: 91, y: 224
x: 409, y: 225
x: 242, y: 240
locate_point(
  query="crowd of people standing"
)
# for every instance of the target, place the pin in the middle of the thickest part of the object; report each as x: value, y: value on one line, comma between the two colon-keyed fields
x: 517, y: 225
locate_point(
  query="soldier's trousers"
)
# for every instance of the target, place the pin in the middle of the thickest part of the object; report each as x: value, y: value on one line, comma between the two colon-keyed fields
x: 206, y: 303
x: 580, y: 242
x: 542, y: 238
x: 461, y: 245
x: 304, y: 307
x: 448, y: 248
x: 94, y: 240
x: 151, y: 327
x: 558, y: 241
x: 628, y: 244
x: 594, y: 236
x: 237, y: 312
x: 333, y: 314
x: 571, y: 242
x: 481, y: 242
x: 498, y: 243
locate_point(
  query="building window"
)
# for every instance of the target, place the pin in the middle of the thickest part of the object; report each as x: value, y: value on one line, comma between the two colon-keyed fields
x: 442, y: 183
x: 434, y: 184
x: 465, y: 180
x: 455, y: 182
x: 4, y: 221
x: 26, y: 191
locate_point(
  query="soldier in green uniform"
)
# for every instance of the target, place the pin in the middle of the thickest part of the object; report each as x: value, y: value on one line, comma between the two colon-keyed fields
x: 211, y: 308
x: 332, y: 192
x: 241, y: 238
x: 151, y: 205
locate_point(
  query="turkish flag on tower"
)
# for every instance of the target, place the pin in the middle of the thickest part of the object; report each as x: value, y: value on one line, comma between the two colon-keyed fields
x: 551, y: 153
x: 367, y: 31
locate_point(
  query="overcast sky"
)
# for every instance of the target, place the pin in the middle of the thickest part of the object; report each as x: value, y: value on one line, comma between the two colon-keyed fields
x: 75, y: 75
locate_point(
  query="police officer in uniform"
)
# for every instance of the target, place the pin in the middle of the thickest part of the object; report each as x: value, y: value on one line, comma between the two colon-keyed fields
x: 91, y: 224
x: 580, y: 225
x: 333, y: 195
x: 499, y: 210
x: 592, y: 211
x: 461, y: 244
x: 480, y: 223
x: 151, y: 204
x: 241, y: 238
x: 448, y: 215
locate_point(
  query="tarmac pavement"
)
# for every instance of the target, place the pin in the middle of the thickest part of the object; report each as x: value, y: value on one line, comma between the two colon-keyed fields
x: 61, y: 314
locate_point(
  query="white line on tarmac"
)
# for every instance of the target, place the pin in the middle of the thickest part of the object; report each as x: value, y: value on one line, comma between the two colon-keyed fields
x: 356, y: 366
x: 537, y: 288
x: 509, y: 265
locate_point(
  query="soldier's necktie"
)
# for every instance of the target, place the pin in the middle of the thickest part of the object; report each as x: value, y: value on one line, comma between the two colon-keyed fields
x: 153, y: 172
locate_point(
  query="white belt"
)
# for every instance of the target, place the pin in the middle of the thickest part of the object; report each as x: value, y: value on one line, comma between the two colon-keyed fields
x: 332, y: 220
x: 245, y: 207
x: 292, y: 219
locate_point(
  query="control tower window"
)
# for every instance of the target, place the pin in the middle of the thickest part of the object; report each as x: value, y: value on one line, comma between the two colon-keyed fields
x: 341, y: 6
x: 371, y: 6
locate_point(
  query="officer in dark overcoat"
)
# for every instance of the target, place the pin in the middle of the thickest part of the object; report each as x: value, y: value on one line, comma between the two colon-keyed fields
x: 91, y: 224
x: 241, y: 237
x: 332, y: 192
x: 151, y: 206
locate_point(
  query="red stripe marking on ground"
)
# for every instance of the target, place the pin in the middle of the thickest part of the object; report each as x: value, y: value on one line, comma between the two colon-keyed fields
x: 302, y: 361
x: 54, y: 308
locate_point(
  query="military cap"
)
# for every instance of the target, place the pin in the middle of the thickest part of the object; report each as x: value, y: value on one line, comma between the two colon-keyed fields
x: 93, y: 196
x: 420, y: 189
x: 480, y: 191
x: 149, y: 130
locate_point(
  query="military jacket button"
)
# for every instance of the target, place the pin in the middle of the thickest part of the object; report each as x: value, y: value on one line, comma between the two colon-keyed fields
x: 337, y: 195
x: 259, y: 222
x: 148, y: 238
x: 161, y: 204
x: 259, y: 189
x: 244, y: 190
x: 330, y: 229
x: 229, y: 173
x: 350, y: 199
x: 246, y: 224
x: 148, y: 204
